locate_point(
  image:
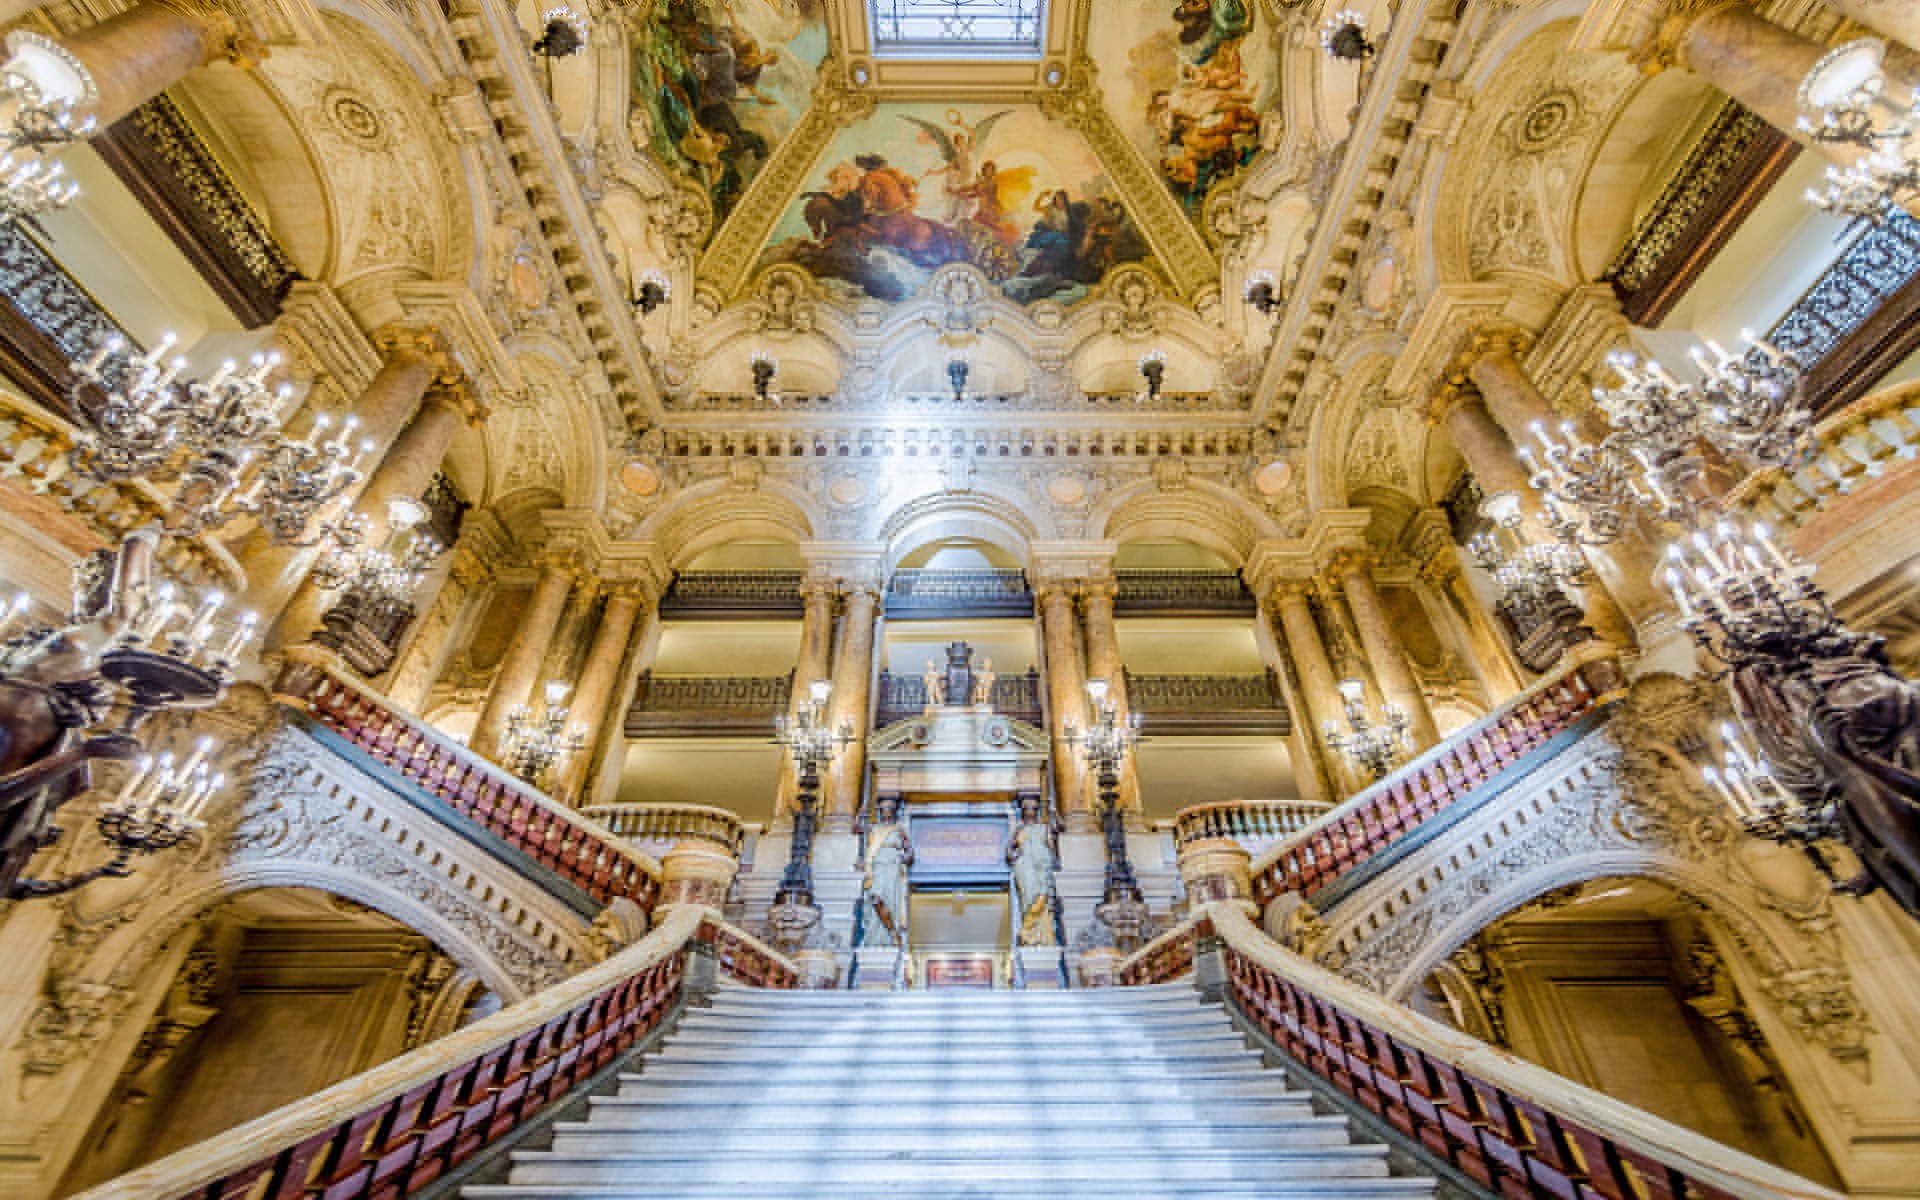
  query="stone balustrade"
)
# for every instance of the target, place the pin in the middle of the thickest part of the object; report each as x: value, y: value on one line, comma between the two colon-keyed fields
x: 918, y: 592
x: 1852, y: 448
x: 394, y: 1129
x: 1492, y: 751
x: 1252, y: 823
x: 666, y: 824
x: 903, y: 696
x: 933, y: 447
x: 577, y: 850
x: 1517, y: 1129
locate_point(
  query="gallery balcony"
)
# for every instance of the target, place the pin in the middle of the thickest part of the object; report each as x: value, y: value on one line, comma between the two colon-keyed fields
x: 732, y: 595
x: 707, y: 705
x: 935, y: 595
x: 1182, y: 593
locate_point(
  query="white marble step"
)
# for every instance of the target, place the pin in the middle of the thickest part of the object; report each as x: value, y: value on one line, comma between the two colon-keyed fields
x: 708, y: 1112
x: 950, y: 1137
x: 1095, y: 1185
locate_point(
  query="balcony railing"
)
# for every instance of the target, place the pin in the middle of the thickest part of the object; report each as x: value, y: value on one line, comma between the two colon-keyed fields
x: 1516, y: 1129
x: 733, y: 594
x: 1182, y: 593
x: 986, y: 592
x: 903, y: 696
x: 1219, y: 704
x: 391, y: 1131
x: 707, y: 705
x: 664, y: 825
x: 1852, y: 448
x: 1255, y: 824
x: 461, y: 783
x: 1413, y: 798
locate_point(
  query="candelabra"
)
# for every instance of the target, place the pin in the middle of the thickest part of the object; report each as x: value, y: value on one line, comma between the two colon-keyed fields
x: 1749, y: 407
x: 219, y: 437
x: 1153, y: 369
x: 41, y: 86
x: 957, y: 372
x: 1263, y: 292
x: 813, y: 744
x: 537, y: 742
x: 1373, y: 746
x: 1104, y: 745
x: 563, y: 33
x: 654, y: 290
x: 1847, y: 99
x: 1344, y: 36
x: 764, y: 365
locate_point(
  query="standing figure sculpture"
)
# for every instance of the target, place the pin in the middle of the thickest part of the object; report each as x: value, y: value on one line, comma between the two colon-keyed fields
x: 883, y: 894
x: 983, y: 685
x: 936, y: 685
x: 1033, y: 854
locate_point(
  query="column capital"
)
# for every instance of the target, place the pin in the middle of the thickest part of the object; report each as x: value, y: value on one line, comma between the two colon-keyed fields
x: 1050, y: 590
x: 458, y: 393
x: 1654, y: 44
x: 422, y: 341
x: 1351, y: 560
x: 1492, y: 340
x: 1292, y: 587
x: 1103, y: 591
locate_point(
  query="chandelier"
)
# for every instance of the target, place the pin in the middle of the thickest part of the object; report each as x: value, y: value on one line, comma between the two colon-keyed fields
x: 41, y: 86
x: 160, y: 653
x: 538, y: 742
x: 1749, y: 406
x: 813, y: 743
x: 1525, y: 573
x: 219, y: 437
x: 1105, y: 744
x: 387, y: 575
x: 1373, y: 746
x: 1846, y: 100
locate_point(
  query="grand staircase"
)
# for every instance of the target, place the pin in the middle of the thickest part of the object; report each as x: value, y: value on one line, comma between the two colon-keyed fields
x: 1135, y: 1093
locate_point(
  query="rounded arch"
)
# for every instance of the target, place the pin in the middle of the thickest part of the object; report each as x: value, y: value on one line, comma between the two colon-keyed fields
x: 1203, y: 513
x: 717, y: 511
x: 974, y: 516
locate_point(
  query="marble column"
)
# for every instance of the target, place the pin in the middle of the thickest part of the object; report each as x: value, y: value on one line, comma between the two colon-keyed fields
x: 1320, y: 699
x: 142, y: 52
x: 813, y: 662
x: 1103, y: 662
x: 413, y: 676
x: 1309, y: 769
x: 602, y: 783
x: 1443, y: 575
x: 274, y: 573
x: 520, y: 666
x: 13, y: 10
x: 1066, y: 702
x: 593, y: 693
x: 1383, y: 648
x: 852, y: 702
x: 1897, y: 19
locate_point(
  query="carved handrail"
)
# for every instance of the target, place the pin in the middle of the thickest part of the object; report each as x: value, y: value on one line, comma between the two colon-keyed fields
x: 576, y: 849
x: 1851, y: 448
x: 714, y: 587
x: 1246, y: 820
x: 670, y: 823
x: 1166, y: 957
x: 1377, y: 817
x: 902, y: 696
x: 1200, y: 692
x: 392, y: 1130
x: 1519, y: 1129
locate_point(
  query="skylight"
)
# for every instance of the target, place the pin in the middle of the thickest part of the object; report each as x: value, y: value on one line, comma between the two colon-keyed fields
x: 957, y: 28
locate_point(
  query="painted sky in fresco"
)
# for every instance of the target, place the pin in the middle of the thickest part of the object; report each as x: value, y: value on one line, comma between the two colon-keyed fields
x: 723, y: 82
x: 912, y: 187
x: 1187, y: 80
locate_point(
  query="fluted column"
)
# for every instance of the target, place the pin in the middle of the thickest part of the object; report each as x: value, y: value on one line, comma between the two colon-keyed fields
x: 383, y: 409
x: 1066, y: 701
x: 813, y: 662
x: 1103, y: 662
x: 520, y: 666
x: 1320, y: 698
x: 419, y: 665
x: 1897, y: 19
x: 591, y: 697
x: 852, y: 701
x: 142, y: 52
x: 1383, y: 647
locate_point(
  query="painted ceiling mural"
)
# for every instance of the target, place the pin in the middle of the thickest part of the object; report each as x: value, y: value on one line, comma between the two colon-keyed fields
x: 1197, y: 75
x: 913, y: 187
x: 723, y: 82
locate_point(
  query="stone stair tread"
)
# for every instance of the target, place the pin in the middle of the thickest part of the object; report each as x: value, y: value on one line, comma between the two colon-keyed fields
x: 1094, y: 1188
x: 746, y: 1111
x: 1169, y: 1166
x: 927, y: 1140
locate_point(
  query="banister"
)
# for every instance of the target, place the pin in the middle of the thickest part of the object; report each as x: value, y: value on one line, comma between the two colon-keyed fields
x: 1166, y: 957
x: 576, y: 849
x: 1517, y: 1128
x: 1245, y: 819
x: 398, y: 1126
x: 1375, y: 818
x: 663, y: 822
x: 748, y: 959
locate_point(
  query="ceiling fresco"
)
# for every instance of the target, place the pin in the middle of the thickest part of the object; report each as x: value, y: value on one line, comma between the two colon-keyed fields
x: 913, y: 187
x: 1187, y: 80
x: 723, y: 82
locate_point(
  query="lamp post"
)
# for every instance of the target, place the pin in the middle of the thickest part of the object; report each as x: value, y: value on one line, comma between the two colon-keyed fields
x: 1374, y: 746
x: 763, y: 366
x: 957, y: 371
x: 1105, y: 744
x: 813, y: 745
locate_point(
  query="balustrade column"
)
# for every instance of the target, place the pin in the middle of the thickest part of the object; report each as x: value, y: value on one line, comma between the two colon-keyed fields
x: 1321, y: 696
x: 593, y: 693
x: 1383, y: 648
x: 419, y: 665
x: 527, y: 653
x: 852, y: 702
x: 383, y: 409
x: 1103, y: 662
x: 816, y: 643
x: 1066, y: 702
x: 142, y: 52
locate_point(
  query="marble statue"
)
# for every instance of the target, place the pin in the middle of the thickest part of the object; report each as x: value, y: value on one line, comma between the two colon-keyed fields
x: 884, y: 891
x: 936, y: 686
x: 983, y: 685
x: 1033, y: 855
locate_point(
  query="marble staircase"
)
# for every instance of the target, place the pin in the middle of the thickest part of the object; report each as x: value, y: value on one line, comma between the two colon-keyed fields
x: 1134, y: 1093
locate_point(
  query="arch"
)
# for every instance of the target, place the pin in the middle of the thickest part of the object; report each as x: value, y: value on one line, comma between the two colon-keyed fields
x: 1203, y: 513
x: 976, y: 516
x: 718, y: 511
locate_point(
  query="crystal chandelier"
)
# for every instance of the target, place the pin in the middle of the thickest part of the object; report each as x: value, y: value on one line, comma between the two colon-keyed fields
x: 219, y: 437
x: 41, y: 87
x: 538, y: 742
x: 813, y: 743
x: 1105, y: 744
x: 1847, y: 99
x: 388, y: 575
x: 1524, y: 572
x: 1373, y: 746
x: 1748, y: 406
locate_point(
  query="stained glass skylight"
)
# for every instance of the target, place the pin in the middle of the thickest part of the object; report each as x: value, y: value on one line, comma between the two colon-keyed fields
x: 957, y: 28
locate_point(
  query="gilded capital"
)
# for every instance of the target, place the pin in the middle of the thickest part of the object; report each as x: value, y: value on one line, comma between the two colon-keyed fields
x: 1656, y: 48
x: 425, y: 342
x: 459, y: 393
x: 1353, y: 559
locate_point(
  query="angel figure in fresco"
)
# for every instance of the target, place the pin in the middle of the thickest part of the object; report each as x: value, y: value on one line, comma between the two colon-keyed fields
x: 957, y: 149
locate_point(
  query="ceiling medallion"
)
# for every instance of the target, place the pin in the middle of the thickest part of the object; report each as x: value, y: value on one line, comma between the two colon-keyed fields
x: 355, y: 119
x: 1546, y: 121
